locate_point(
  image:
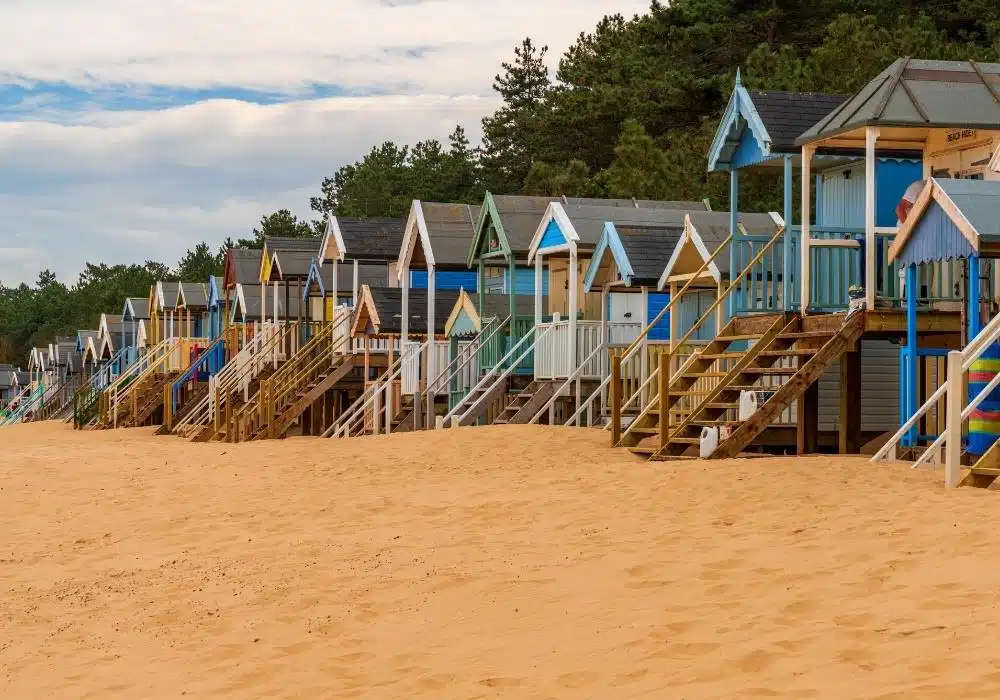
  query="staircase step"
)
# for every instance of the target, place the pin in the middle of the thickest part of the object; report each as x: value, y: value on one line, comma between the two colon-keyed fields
x: 738, y: 337
x: 704, y: 375
x: 797, y: 352
x: 722, y: 356
x: 723, y: 406
x: 985, y: 471
x: 772, y: 371
x: 715, y: 423
x: 801, y: 335
x: 685, y: 440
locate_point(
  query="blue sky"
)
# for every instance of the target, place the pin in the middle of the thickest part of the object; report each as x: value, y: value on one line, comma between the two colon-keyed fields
x: 131, y: 131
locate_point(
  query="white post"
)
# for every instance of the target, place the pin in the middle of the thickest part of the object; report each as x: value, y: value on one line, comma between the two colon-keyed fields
x: 388, y: 407
x: 263, y: 303
x: 644, y: 349
x: 431, y: 354
x: 334, y: 280
x: 605, y: 339
x: 539, y: 287
x: 871, y: 133
x: 573, y: 303
x: 804, y: 240
x: 376, y: 412
x: 953, y: 425
x: 404, y: 330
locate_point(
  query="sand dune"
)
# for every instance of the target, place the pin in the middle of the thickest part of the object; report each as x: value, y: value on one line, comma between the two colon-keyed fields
x: 509, y: 562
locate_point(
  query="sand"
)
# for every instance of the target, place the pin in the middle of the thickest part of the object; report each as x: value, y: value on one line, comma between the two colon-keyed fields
x: 507, y: 562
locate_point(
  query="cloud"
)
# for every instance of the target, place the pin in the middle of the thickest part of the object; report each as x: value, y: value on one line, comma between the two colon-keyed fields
x: 130, y: 131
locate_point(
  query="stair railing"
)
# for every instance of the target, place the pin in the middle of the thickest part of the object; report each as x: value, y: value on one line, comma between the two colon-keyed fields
x: 520, y: 349
x: 27, y: 400
x: 959, y: 363
x: 297, y: 372
x: 172, y: 391
x: 111, y: 398
x: 466, y: 356
x: 574, y: 378
x: 377, y: 393
x: 269, y: 346
x: 618, y: 404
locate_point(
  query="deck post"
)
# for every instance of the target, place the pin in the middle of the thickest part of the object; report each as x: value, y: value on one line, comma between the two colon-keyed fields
x: 573, y: 303
x: 734, y: 206
x: 953, y: 443
x: 807, y: 430
x: 974, y: 312
x: 354, y: 285
x: 431, y: 340
x: 805, y: 278
x: 538, y: 288
x: 605, y: 339
x: 786, y: 258
x: 850, y: 403
x: 481, y: 285
x: 512, y: 291
x: 911, y: 357
x: 644, y: 349
x: 616, y: 400
x: 404, y: 328
x: 334, y: 282
x: 664, y: 387
x: 871, y: 134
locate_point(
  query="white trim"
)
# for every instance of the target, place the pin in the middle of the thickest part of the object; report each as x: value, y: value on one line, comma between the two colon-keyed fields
x: 332, y: 228
x: 415, y: 226
x: 553, y: 211
x: 690, y: 234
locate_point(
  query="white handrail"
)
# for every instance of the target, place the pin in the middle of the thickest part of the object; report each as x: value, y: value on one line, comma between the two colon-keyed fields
x: 472, y: 349
x: 489, y: 381
x: 601, y: 347
x: 930, y: 453
x: 970, y: 353
x: 343, y: 426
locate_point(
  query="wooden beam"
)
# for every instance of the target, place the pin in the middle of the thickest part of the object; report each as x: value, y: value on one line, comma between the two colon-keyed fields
x: 807, y: 428
x: 850, y: 403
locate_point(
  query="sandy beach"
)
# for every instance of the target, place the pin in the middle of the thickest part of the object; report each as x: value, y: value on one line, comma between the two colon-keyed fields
x: 504, y: 562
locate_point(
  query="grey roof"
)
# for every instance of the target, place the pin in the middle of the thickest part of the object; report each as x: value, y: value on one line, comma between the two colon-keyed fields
x: 251, y: 295
x: 589, y: 220
x: 979, y: 203
x: 372, y: 239
x: 372, y: 274
x: 195, y: 295
x: 649, y: 249
x: 276, y: 244
x: 713, y: 229
x: 294, y: 264
x: 520, y: 216
x: 788, y: 115
x: 919, y: 93
x: 389, y: 307
x: 170, y: 292
x: 451, y: 228
x: 245, y: 265
x: 141, y: 307
x: 83, y: 336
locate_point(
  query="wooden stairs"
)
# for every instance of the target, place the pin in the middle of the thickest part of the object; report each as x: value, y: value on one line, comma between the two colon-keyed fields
x: 290, y: 407
x: 811, y: 351
x: 145, y: 400
x: 526, y: 403
x: 208, y: 433
x: 190, y: 401
x: 985, y: 471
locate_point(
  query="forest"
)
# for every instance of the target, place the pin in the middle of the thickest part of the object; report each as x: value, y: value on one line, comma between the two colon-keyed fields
x: 629, y: 112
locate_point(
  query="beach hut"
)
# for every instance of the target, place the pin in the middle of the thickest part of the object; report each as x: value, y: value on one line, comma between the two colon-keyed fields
x: 365, y: 252
x: 163, y: 312
x: 433, y: 256
x: 191, y: 309
x: 135, y: 317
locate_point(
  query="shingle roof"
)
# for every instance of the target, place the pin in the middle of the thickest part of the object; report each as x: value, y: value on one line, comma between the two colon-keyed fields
x: 788, y: 115
x: 372, y: 274
x: 389, y: 304
x: 275, y: 244
x: 919, y: 93
x: 244, y: 265
x: 195, y: 295
x: 170, y: 292
x: 294, y: 264
x: 451, y: 228
x: 649, y: 249
x: 588, y: 221
x: 498, y: 305
x: 520, y: 216
x: 251, y: 295
x: 140, y: 306
x: 372, y: 239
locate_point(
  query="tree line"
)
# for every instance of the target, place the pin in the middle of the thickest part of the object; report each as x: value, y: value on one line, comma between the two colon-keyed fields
x: 629, y: 112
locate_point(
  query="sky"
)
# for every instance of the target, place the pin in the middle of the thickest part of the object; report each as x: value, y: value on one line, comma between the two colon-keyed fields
x: 133, y: 130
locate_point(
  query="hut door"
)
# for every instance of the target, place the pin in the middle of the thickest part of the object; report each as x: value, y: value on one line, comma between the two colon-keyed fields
x: 625, y: 308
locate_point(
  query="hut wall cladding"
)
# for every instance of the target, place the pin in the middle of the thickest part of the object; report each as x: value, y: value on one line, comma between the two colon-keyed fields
x: 524, y: 282
x: 446, y: 279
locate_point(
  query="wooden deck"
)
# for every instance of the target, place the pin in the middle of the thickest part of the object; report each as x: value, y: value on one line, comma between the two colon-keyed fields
x: 880, y: 323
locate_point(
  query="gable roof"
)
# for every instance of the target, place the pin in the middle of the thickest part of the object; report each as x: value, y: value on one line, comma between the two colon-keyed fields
x: 215, y: 294
x: 919, y: 93
x: 167, y: 293
x: 192, y: 295
x: 640, y: 252
x: 136, y: 308
x: 444, y: 231
x: 291, y: 264
x: 774, y: 119
x: 384, y: 307
x: 242, y: 266
x: 583, y: 225
x: 375, y: 239
x: 247, y: 303
x: 968, y: 218
x: 375, y: 274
